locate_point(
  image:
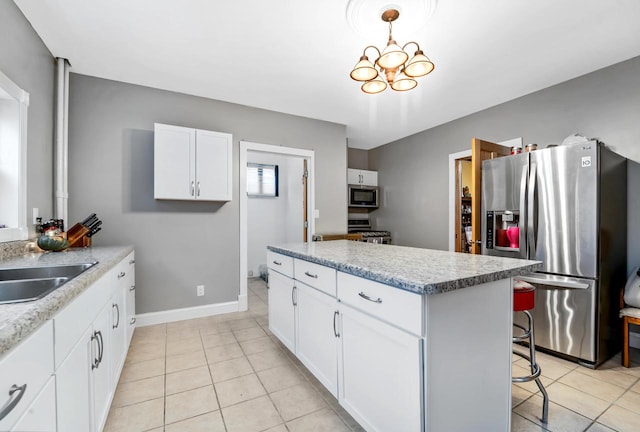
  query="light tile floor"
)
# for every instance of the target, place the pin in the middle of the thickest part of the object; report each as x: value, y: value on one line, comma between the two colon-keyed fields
x: 228, y: 373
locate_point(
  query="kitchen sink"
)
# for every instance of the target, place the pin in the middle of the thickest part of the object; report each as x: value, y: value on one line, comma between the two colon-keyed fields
x: 32, y: 283
x: 45, y: 272
x: 23, y: 290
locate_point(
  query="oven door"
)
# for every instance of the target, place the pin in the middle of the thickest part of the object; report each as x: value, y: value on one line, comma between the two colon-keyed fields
x: 363, y: 196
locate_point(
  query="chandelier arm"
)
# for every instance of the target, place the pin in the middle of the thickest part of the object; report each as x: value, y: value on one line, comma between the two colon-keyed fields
x: 364, y: 52
x: 409, y: 43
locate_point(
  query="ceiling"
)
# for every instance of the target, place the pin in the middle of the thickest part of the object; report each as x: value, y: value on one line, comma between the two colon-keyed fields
x: 294, y: 56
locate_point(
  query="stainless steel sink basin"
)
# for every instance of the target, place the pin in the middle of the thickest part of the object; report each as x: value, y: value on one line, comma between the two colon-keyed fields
x: 32, y: 283
x: 23, y: 290
x: 45, y: 272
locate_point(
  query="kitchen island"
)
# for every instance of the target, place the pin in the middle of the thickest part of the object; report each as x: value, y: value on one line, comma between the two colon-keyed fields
x: 405, y: 338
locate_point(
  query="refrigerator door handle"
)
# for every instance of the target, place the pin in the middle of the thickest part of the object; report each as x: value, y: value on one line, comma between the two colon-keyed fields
x: 532, y: 238
x: 523, y: 201
x: 557, y: 281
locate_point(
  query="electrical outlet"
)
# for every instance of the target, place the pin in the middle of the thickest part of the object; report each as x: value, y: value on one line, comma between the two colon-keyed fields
x: 200, y: 290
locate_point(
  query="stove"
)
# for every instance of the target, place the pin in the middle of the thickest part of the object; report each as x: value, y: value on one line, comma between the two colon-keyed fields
x: 363, y: 227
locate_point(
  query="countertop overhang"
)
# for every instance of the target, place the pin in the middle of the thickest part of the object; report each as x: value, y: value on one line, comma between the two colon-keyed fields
x: 422, y: 271
x: 19, y: 320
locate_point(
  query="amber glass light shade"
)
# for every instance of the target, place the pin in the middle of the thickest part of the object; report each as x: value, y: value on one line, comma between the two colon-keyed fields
x: 364, y: 70
x: 374, y: 86
x: 392, y: 56
x: 419, y: 65
x: 403, y: 83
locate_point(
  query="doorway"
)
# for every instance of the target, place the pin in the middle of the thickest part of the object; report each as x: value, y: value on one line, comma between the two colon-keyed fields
x: 281, y: 218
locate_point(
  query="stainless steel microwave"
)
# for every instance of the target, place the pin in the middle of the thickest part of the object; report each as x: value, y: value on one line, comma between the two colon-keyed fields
x: 364, y: 196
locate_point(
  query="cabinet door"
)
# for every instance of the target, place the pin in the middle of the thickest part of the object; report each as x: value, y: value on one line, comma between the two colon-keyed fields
x: 73, y: 389
x: 282, y: 308
x: 369, y: 178
x: 353, y: 176
x: 213, y: 166
x: 174, y: 162
x: 118, y: 332
x: 376, y: 360
x: 102, y: 383
x: 316, y: 333
x: 130, y: 298
x: 41, y: 414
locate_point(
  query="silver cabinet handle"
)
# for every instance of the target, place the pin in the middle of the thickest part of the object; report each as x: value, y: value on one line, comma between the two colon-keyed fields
x: 311, y: 275
x: 11, y: 404
x: 121, y: 275
x: 277, y: 262
x: 95, y: 361
x: 335, y: 316
x: 132, y: 262
x: 193, y: 188
x: 366, y: 297
x: 133, y: 288
x: 198, y: 189
x: 294, y: 299
x: 115, y: 305
x: 101, y: 346
x: 132, y: 321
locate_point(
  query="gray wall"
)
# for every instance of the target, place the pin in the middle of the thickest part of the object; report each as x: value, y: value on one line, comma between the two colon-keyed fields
x: 180, y: 244
x: 29, y: 64
x: 413, y: 172
x: 358, y: 159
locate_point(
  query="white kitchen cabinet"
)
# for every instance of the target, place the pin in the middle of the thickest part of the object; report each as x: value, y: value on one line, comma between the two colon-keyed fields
x: 103, y: 386
x: 122, y: 279
x: 316, y: 334
x: 73, y: 388
x: 40, y: 416
x: 192, y: 164
x: 379, y: 373
x: 282, y: 311
x: 362, y: 177
x: 130, y: 298
x: 24, y: 372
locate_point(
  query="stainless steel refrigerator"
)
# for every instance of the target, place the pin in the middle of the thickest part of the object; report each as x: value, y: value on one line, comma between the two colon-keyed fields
x: 567, y: 207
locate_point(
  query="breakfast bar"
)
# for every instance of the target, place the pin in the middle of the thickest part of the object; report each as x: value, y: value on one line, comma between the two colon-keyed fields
x: 403, y: 337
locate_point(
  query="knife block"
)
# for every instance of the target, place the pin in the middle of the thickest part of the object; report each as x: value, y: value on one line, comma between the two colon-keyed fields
x: 77, y: 236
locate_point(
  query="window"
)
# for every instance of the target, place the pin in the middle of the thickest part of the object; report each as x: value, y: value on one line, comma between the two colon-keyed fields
x: 262, y: 180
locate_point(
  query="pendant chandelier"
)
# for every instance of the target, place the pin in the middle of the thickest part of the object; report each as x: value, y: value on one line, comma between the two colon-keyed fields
x: 399, y: 72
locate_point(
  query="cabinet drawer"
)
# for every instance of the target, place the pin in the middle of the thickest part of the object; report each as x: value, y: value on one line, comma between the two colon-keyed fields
x: 280, y: 263
x: 29, y: 364
x: 315, y: 275
x: 398, y: 307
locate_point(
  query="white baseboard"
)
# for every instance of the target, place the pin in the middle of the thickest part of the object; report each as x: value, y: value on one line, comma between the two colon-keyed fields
x: 172, y: 315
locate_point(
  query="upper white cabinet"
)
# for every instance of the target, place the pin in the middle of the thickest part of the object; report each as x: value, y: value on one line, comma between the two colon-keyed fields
x: 362, y: 177
x: 192, y: 164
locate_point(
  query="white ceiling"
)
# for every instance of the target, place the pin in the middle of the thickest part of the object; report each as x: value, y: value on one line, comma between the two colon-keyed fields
x: 294, y: 56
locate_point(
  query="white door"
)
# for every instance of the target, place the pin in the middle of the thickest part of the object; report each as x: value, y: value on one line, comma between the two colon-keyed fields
x: 213, y: 166
x: 282, y: 308
x: 41, y: 415
x: 102, y: 384
x: 376, y: 360
x: 174, y: 162
x: 118, y: 331
x: 316, y: 335
x: 354, y: 176
x: 73, y: 388
x: 369, y: 178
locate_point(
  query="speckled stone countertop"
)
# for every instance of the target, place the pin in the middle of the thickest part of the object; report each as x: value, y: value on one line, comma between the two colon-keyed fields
x: 19, y: 320
x: 423, y: 271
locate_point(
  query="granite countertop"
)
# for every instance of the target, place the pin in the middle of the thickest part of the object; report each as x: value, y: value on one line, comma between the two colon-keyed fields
x: 423, y: 271
x: 19, y: 320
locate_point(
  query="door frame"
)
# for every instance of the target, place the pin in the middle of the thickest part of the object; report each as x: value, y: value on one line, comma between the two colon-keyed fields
x: 453, y: 157
x: 245, y: 147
